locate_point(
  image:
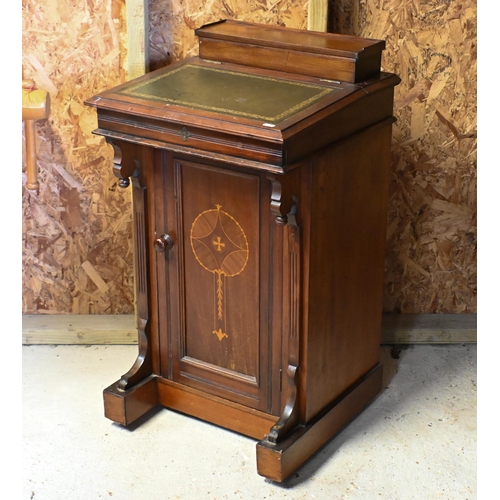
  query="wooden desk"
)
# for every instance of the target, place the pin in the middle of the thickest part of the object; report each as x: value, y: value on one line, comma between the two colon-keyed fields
x: 260, y: 175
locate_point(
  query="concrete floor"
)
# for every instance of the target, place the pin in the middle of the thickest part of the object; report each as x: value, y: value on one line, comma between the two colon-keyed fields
x: 417, y: 440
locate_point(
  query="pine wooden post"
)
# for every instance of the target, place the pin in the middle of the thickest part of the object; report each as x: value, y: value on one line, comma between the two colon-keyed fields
x: 137, y: 32
x: 317, y: 18
x: 138, y: 59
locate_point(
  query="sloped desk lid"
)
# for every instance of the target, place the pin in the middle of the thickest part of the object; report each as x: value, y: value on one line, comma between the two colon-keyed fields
x: 227, y: 93
x: 238, y: 112
x: 219, y: 90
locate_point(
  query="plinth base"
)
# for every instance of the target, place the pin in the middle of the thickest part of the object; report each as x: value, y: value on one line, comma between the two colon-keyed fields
x: 274, y: 461
x: 278, y: 461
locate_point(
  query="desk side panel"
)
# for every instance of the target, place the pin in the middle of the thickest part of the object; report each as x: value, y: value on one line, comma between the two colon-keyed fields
x: 350, y: 187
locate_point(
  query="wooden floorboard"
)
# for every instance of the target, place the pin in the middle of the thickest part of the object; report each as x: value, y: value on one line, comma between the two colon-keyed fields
x: 120, y: 329
x: 79, y: 329
x: 429, y: 328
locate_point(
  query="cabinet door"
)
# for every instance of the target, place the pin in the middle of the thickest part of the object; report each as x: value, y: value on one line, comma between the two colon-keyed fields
x: 216, y: 335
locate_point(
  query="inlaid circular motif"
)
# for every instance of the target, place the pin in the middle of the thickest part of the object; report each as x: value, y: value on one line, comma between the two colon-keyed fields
x: 220, y: 246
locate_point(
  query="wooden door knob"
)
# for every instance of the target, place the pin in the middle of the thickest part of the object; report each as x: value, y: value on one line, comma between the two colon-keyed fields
x: 163, y: 243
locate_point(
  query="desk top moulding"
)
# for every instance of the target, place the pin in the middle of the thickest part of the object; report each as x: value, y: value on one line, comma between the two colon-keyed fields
x: 260, y: 172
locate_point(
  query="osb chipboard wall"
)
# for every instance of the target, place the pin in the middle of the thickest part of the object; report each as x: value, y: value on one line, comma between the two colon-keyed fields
x: 76, y: 229
x: 77, y: 251
x: 77, y: 254
x: 431, y: 237
x: 172, y: 22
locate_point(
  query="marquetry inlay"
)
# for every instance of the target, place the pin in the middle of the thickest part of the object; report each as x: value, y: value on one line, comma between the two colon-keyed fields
x: 221, y: 247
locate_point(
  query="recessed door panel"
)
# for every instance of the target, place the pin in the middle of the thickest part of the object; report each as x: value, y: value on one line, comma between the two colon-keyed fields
x: 218, y: 331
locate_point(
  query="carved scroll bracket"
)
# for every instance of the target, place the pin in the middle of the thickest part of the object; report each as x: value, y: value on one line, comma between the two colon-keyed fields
x: 291, y: 324
x: 142, y: 367
x: 123, y: 167
x: 276, y: 193
x: 135, y: 374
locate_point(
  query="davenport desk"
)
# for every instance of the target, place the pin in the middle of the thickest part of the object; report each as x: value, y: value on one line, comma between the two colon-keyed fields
x: 260, y: 173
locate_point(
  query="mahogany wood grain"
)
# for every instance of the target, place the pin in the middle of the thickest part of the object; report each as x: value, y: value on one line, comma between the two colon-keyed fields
x: 132, y: 162
x: 321, y: 66
x: 325, y: 55
x: 278, y: 461
x: 259, y: 245
x: 291, y: 315
x: 219, y: 411
x: 222, y: 342
x: 125, y: 407
x: 347, y: 244
x: 277, y: 145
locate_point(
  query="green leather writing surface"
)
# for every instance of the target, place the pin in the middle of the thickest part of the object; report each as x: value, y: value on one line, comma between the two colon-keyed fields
x: 230, y: 92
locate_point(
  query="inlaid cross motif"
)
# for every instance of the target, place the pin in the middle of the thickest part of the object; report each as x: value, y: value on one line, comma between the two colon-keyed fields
x: 217, y: 243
